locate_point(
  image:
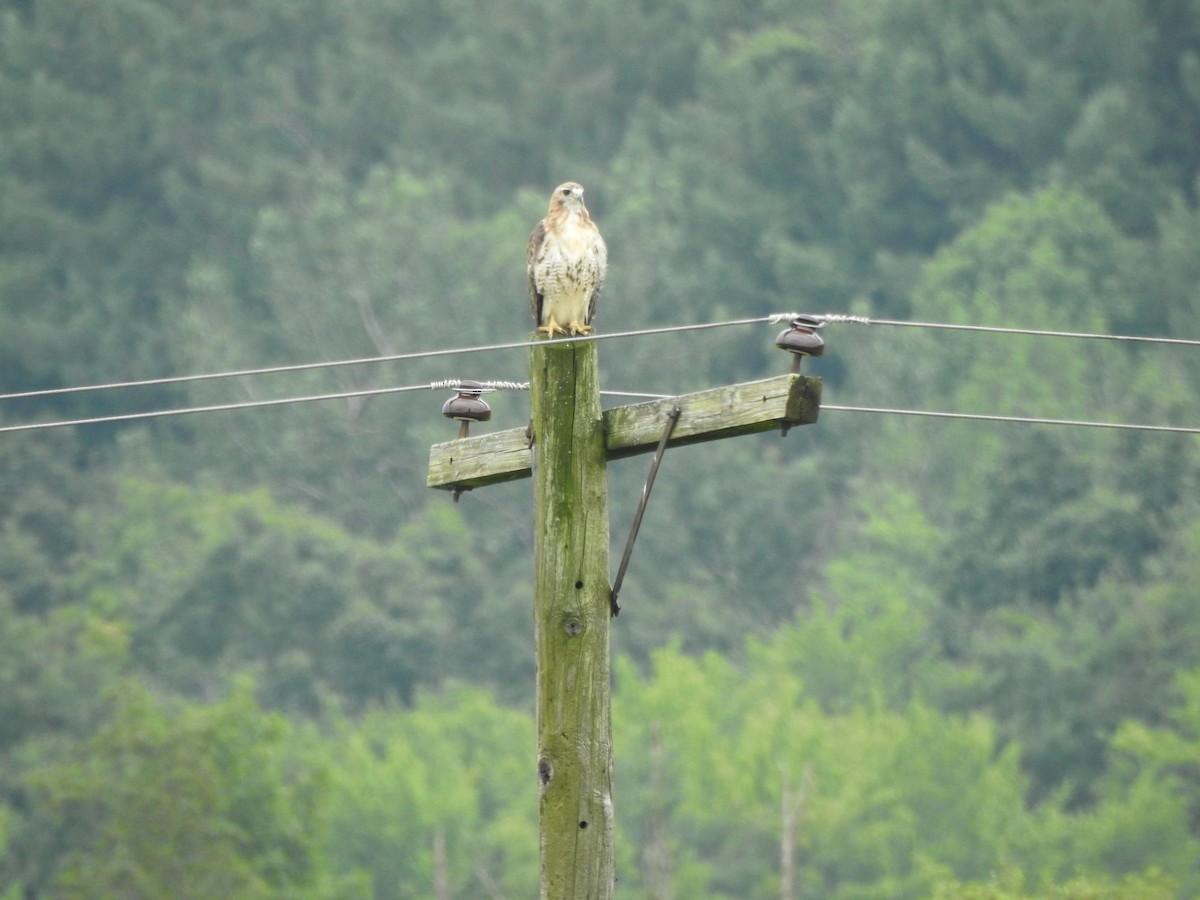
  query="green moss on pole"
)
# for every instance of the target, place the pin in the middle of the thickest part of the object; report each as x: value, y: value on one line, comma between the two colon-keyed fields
x: 571, y: 624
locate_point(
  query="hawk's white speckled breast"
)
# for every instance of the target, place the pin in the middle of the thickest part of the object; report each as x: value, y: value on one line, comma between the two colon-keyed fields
x: 569, y: 261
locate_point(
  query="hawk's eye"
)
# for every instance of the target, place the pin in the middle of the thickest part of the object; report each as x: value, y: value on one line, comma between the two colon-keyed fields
x: 566, y: 192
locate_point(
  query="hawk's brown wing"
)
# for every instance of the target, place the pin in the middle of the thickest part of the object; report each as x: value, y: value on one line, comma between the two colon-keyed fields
x: 531, y: 257
x: 601, y: 252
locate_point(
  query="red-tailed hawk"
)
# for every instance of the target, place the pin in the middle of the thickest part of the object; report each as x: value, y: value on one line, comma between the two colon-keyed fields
x: 567, y: 260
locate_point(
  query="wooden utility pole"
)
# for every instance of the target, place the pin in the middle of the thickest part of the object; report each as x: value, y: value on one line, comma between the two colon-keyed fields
x: 566, y: 451
x: 571, y: 623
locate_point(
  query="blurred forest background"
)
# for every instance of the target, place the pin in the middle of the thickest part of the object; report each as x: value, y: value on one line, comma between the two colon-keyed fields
x: 249, y: 654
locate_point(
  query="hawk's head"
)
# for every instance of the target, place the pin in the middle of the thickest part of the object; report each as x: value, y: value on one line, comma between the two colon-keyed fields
x: 568, y: 195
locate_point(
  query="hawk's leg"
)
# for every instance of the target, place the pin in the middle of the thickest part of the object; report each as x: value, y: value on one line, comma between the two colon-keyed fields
x: 576, y: 328
x: 552, y: 327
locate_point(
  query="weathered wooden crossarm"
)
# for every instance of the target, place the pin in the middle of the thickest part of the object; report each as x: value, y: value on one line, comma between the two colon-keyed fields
x: 475, y: 461
x: 785, y: 400
x: 713, y: 414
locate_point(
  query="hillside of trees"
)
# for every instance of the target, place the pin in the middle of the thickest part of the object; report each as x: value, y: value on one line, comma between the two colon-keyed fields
x: 249, y: 654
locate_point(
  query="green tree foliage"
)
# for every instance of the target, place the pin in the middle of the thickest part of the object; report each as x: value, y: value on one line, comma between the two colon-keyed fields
x: 1174, y: 273
x: 436, y: 795
x: 51, y: 671
x: 1134, y: 887
x: 189, y: 803
x: 42, y: 479
x: 957, y: 104
x: 901, y: 802
x: 210, y: 583
x: 1049, y: 534
x: 336, y: 244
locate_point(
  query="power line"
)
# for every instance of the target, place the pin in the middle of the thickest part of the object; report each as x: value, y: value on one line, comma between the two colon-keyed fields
x: 365, y: 360
x: 454, y: 384
x: 775, y: 318
x: 219, y: 407
x: 833, y: 318
x: 448, y: 384
x: 1024, y: 420
x: 823, y: 319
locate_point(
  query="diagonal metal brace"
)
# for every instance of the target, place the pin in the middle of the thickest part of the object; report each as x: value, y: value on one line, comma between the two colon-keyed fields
x: 672, y: 419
